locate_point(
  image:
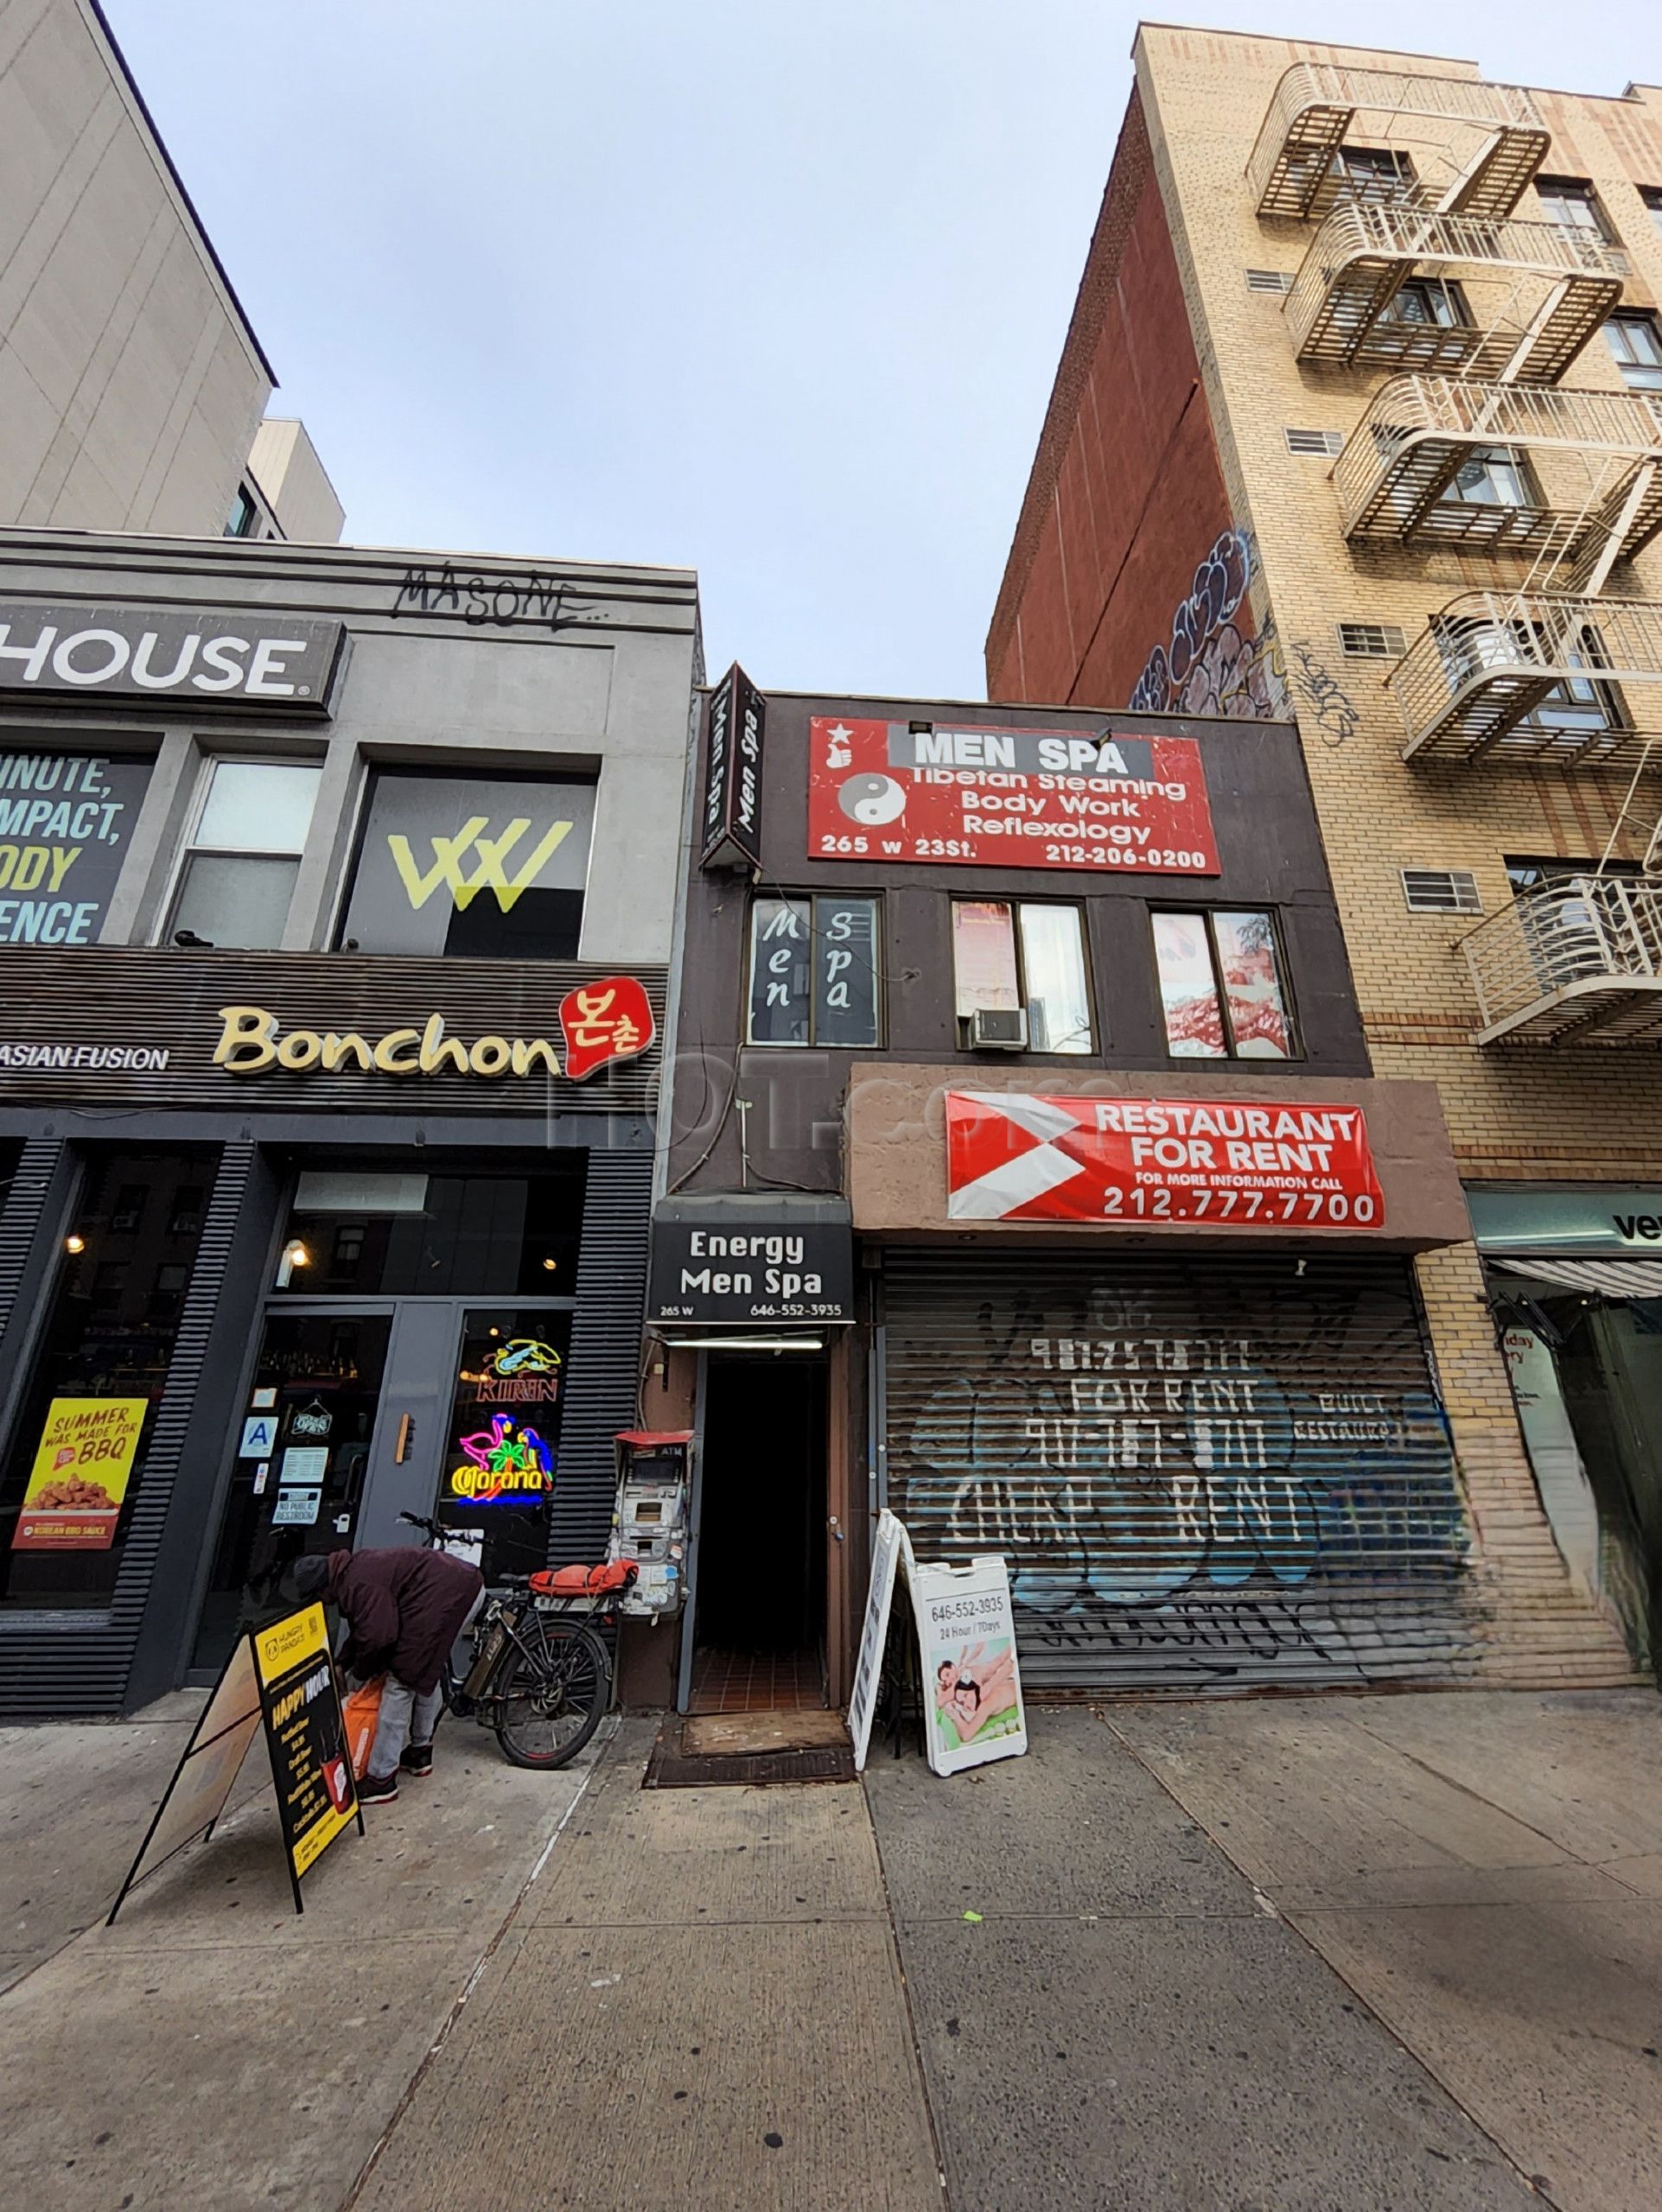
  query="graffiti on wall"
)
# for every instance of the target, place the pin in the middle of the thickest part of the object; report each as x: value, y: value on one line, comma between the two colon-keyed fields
x: 1207, y: 1504
x: 1213, y: 663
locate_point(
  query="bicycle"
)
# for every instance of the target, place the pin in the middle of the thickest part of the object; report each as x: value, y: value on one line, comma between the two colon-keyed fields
x: 540, y: 1676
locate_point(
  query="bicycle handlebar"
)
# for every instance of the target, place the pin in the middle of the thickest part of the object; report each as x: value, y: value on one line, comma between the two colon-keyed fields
x: 433, y: 1528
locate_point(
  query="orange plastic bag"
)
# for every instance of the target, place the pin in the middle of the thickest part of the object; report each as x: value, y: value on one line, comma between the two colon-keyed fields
x: 361, y: 1711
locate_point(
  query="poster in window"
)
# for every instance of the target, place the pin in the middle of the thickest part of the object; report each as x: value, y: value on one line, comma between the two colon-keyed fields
x: 781, y: 971
x: 66, y: 819
x: 1188, y: 993
x: 999, y: 798
x: 984, y: 957
x: 1246, y: 960
x: 474, y: 867
x: 82, y: 1466
x: 846, y: 971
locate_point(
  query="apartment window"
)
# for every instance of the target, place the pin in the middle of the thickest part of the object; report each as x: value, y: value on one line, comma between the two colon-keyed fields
x: 1326, y: 442
x: 1652, y: 195
x: 1441, y: 891
x: 243, y: 521
x: 1010, y: 955
x: 1433, y: 302
x: 1572, y: 204
x: 1636, y: 347
x: 815, y: 974
x: 1221, y: 987
x: 1581, y: 705
x: 1372, y: 172
x: 1492, y: 476
x: 1527, y: 875
x: 1372, y: 640
x: 240, y: 871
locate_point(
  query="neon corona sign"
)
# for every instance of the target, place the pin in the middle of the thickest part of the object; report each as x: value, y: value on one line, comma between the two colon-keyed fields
x: 508, y: 1464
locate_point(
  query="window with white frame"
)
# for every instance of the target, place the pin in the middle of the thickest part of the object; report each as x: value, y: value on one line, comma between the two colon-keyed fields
x: 1222, y: 986
x: 244, y: 856
x: 1636, y: 349
x: 1027, y: 955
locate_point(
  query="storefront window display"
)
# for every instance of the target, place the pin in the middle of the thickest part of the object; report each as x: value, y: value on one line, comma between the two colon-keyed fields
x: 75, y: 1463
x: 355, y: 1234
x: 502, y: 1454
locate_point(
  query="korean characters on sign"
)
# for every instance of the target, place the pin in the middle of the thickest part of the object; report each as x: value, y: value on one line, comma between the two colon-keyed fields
x: 1014, y: 1156
x: 608, y: 1020
x: 1031, y: 798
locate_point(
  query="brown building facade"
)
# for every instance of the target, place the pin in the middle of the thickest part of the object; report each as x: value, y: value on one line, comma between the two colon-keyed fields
x: 1056, y: 1202
x: 1396, y: 472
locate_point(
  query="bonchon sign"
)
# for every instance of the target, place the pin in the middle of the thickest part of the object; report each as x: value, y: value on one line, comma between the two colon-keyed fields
x: 1034, y: 799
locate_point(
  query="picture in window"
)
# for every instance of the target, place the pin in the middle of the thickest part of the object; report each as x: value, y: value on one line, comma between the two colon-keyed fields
x: 1028, y: 954
x: 480, y: 867
x: 239, y: 872
x: 1220, y: 987
x: 66, y: 819
x: 815, y: 974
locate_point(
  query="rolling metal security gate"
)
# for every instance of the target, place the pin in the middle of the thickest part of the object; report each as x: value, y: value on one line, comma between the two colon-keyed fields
x: 1217, y: 1470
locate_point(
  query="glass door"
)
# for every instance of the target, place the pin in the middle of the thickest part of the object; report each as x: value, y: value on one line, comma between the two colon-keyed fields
x: 302, y: 1456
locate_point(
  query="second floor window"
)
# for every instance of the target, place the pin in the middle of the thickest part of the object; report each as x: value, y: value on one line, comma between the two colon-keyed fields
x: 1636, y: 348
x: 1221, y: 987
x: 238, y: 874
x: 815, y: 974
x: 1010, y: 955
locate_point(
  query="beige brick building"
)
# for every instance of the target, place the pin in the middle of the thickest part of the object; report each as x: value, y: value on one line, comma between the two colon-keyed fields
x: 1361, y: 415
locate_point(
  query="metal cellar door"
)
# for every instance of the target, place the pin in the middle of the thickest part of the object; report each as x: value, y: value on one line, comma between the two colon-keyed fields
x: 1217, y: 1471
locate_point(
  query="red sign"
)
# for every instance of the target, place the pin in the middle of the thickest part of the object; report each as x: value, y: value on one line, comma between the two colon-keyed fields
x: 608, y: 1020
x: 1013, y: 1156
x: 990, y: 797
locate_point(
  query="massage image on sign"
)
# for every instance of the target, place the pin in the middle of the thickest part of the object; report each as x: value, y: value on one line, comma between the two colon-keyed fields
x: 975, y: 1693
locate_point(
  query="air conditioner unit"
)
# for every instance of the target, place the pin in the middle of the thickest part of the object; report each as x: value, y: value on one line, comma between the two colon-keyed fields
x: 998, y: 1029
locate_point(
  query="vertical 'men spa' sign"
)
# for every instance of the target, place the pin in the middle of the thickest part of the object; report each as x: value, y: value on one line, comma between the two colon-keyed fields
x: 732, y: 779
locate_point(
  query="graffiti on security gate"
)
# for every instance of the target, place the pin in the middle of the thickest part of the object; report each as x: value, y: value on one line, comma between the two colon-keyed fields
x: 1215, y: 1493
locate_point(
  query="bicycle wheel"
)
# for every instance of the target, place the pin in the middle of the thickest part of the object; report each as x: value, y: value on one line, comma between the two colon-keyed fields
x: 552, y: 1693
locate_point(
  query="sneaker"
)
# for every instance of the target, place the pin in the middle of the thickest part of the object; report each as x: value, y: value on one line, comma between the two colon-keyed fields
x: 417, y: 1759
x: 377, y: 1789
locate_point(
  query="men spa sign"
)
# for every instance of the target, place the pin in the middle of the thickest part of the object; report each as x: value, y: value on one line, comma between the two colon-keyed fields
x: 181, y: 656
x: 609, y: 1020
x: 988, y: 797
x: 1140, y: 1162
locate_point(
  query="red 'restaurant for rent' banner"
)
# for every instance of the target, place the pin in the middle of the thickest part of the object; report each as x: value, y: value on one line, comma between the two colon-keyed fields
x: 1017, y: 1156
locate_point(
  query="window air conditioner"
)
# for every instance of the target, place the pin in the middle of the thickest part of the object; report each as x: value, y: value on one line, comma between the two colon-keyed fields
x: 998, y: 1029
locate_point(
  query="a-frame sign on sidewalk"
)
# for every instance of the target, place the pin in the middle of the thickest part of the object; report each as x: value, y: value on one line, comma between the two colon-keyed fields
x: 282, y: 1679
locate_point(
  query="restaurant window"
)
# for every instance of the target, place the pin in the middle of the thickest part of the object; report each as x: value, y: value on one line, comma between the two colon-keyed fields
x: 1010, y: 955
x: 471, y: 867
x: 438, y: 1236
x: 1636, y: 349
x: 77, y: 1457
x: 239, y: 870
x: 816, y: 974
x: 502, y: 1451
x: 1222, y: 986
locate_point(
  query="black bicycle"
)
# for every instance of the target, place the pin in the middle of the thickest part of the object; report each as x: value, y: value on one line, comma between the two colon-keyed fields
x: 541, y: 1675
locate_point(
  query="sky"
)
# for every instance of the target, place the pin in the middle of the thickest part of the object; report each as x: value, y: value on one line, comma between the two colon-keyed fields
x: 771, y: 288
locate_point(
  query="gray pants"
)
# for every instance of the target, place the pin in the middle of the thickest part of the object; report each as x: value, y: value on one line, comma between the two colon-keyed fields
x: 406, y: 1717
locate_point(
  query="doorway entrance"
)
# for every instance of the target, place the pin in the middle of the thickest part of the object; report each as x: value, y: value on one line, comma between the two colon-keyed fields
x: 358, y: 1413
x: 758, y: 1603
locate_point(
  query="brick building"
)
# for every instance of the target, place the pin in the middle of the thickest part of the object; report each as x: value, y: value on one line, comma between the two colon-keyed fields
x: 1359, y: 419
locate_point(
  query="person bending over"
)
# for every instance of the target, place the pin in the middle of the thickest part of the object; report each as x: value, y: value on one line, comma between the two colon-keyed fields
x: 404, y: 1609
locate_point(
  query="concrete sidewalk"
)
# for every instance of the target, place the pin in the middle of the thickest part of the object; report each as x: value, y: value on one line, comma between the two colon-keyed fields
x: 214, y: 2050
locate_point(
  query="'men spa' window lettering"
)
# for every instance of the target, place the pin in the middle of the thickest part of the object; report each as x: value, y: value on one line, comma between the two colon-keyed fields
x: 815, y: 975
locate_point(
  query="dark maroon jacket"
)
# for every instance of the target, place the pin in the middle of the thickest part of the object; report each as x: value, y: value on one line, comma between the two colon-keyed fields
x: 404, y: 1607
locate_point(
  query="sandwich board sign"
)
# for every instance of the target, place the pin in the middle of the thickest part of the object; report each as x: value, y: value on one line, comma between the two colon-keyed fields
x: 966, y: 1643
x: 281, y: 1680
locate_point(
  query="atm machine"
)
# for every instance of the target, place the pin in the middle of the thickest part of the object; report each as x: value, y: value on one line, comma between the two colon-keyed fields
x: 649, y: 1526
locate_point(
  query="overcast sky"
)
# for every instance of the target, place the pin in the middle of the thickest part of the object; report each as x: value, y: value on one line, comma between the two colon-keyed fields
x: 771, y: 288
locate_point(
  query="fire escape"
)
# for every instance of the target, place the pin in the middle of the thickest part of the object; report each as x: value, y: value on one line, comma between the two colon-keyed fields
x: 1419, y: 266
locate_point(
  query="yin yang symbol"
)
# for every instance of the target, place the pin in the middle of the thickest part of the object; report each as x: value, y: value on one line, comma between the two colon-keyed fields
x: 872, y: 799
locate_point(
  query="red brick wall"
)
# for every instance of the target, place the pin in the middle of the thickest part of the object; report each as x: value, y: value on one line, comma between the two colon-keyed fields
x: 1126, y: 500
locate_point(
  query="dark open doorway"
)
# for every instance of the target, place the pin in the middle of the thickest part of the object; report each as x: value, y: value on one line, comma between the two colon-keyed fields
x: 760, y: 1623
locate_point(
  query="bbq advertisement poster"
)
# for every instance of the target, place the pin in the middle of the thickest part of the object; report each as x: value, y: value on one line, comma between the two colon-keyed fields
x: 82, y: 1467
x: 985, y: 797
